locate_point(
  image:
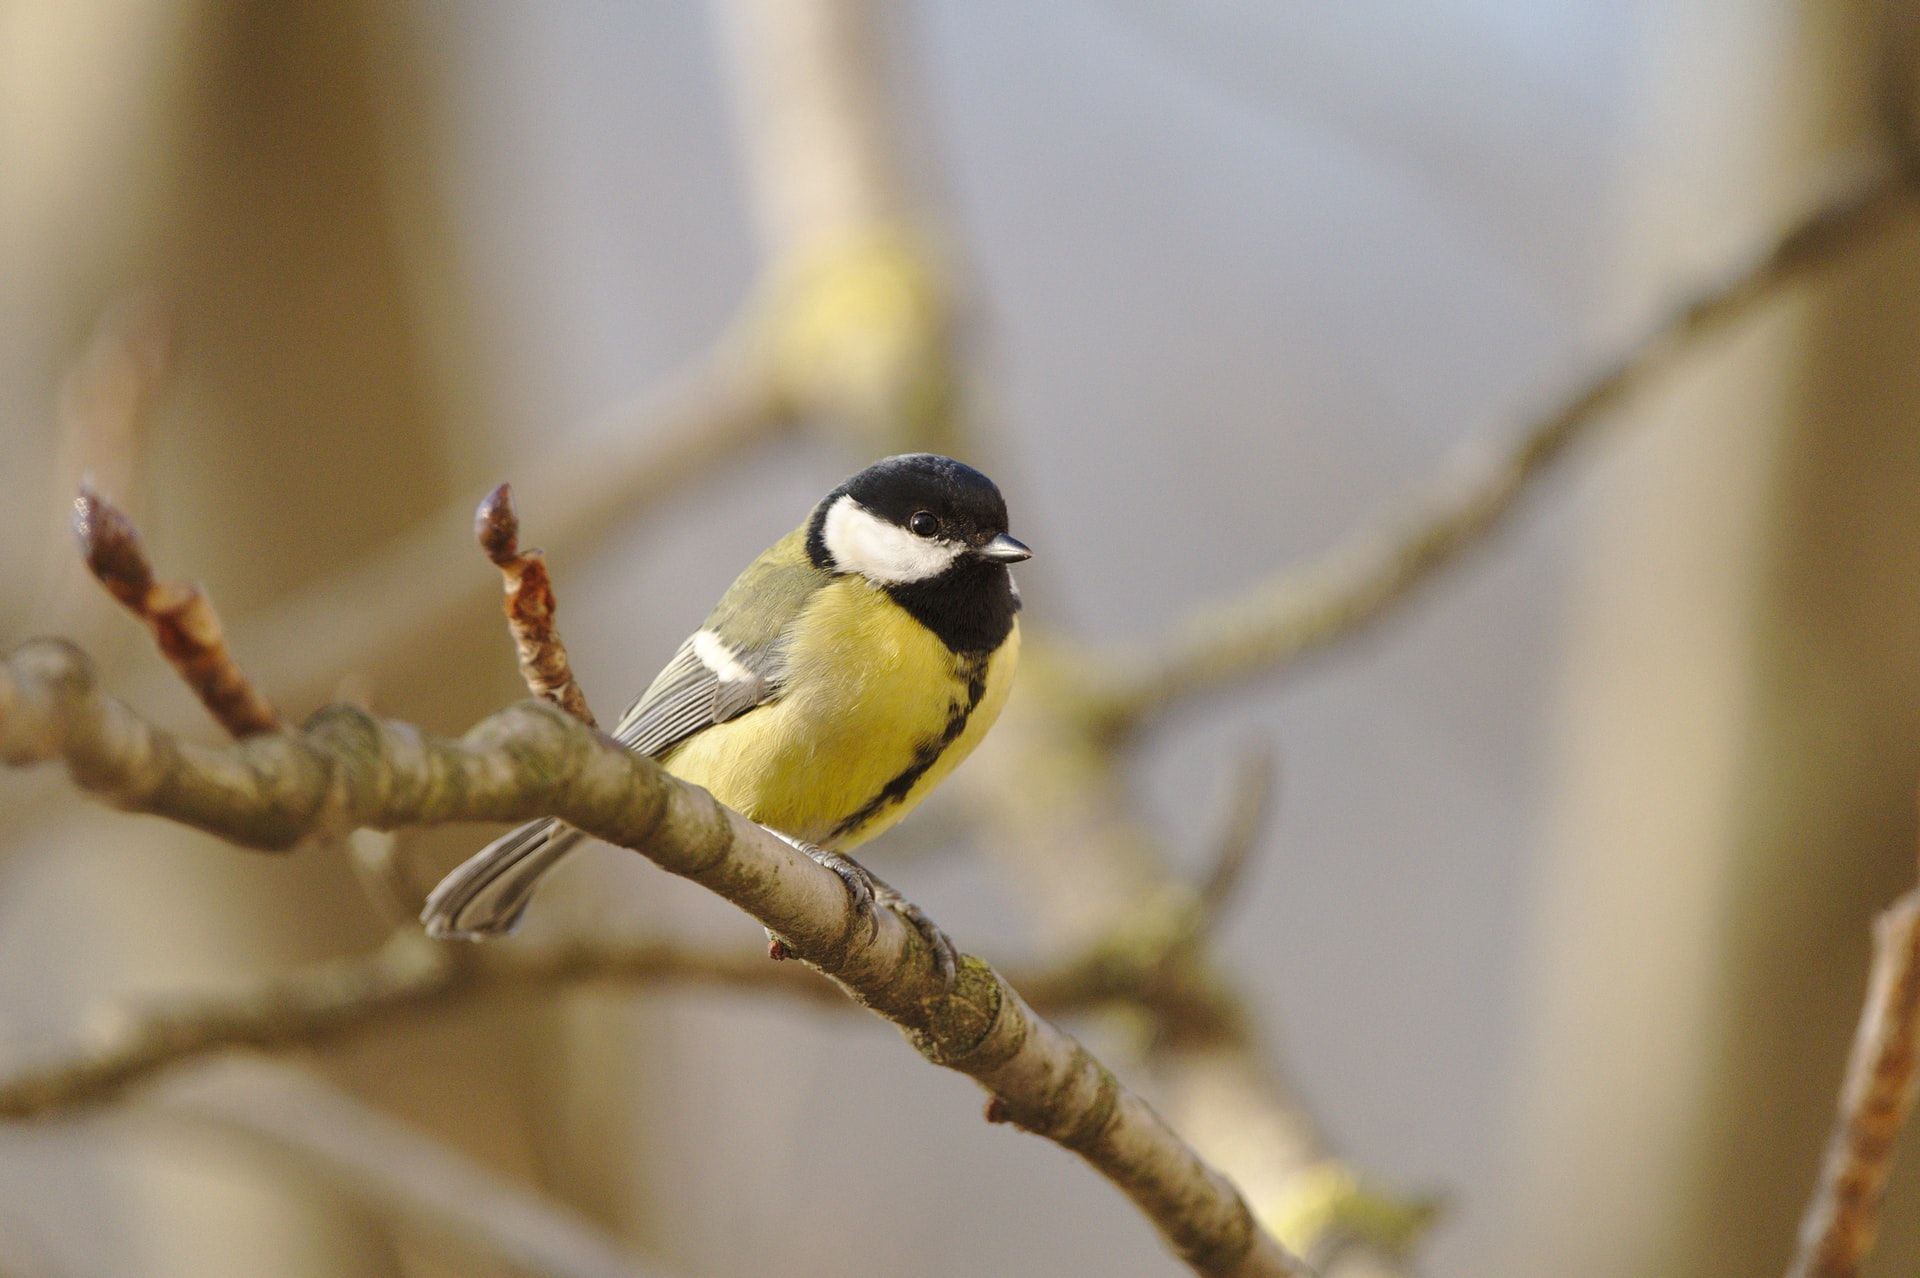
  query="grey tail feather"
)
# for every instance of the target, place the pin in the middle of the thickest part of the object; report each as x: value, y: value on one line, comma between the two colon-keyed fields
x: 488, y: 892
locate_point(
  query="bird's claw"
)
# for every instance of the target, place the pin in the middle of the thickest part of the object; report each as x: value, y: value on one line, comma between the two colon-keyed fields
x: 868, y: 892
x: 862, y: 887
x: 946, y: 955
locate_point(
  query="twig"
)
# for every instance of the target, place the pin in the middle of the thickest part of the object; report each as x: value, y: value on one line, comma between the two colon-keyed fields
x: 468, y: 1211
x: 529, y: 605
x: 1250, y: 808
x: 1838, y: 1228
x: 305, y: 1008
x: 407, y: 977
x: 317, y: 1004
x: 347, y: 769
x: 1302, y: 610
x: 183, y: 622
x: 1144, y: 956
x: 1152, y: 959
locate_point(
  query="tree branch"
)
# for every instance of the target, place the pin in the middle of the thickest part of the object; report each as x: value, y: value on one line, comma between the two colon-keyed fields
x: 313, y: 1005
x: 1303, y: 610
x: 1837, y: 1232
x: 1250, y: 809
x: 347, y: 769
x: 319, y: 1003
x: 530, y: 606
x: 182, y: 619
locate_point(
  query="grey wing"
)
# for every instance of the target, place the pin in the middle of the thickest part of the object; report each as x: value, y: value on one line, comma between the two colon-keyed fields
x: 707, y: 682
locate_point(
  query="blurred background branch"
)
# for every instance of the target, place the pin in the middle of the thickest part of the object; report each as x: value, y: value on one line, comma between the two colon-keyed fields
x: 406, y: 977
x: 1303, y: 610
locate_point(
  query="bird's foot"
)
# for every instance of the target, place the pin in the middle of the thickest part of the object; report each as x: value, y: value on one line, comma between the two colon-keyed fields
x: 868, y: 892
x: 946, y: 955
x: 862, y: 887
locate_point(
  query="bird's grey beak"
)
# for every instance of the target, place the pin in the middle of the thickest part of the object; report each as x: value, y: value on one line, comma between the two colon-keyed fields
x: 1005, y: 550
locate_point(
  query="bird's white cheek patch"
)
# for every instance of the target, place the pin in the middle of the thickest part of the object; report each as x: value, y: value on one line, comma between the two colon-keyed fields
x: 860, y: 541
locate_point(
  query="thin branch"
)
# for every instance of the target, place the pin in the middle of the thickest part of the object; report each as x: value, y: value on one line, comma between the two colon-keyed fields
x: 1149, y: 959
x: 1249, y: 811
x: 406, y: 978
x: 529, y: 605
x: 348, y: 769
x: 321, y: 1003
x: 1143, y: 956
x: 1837, y: 1232
x: 306, y: 1008
x: 1302, y: 610
x: 182, y: 620
x: 468, y: 1211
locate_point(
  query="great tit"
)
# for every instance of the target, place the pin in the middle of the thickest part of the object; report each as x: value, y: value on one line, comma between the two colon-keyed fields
x: 840, y: 678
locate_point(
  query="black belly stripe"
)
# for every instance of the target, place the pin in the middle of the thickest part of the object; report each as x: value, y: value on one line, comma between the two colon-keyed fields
x: 969, y: 666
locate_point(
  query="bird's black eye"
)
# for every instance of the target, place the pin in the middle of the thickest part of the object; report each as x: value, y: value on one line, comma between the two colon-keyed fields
x: 923, y: 524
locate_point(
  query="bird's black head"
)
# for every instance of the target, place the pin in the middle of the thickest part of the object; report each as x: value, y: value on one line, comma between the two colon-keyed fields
x: 932, y: 533
x: 911, y: 518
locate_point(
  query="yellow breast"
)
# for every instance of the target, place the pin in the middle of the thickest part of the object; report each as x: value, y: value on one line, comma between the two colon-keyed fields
x: 876, y: 712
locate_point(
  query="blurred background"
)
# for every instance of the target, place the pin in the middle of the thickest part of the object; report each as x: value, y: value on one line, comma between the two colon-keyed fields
x: 1563, y: 913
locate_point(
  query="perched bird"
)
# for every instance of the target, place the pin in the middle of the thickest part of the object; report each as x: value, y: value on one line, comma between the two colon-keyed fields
x: 841, y: 677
